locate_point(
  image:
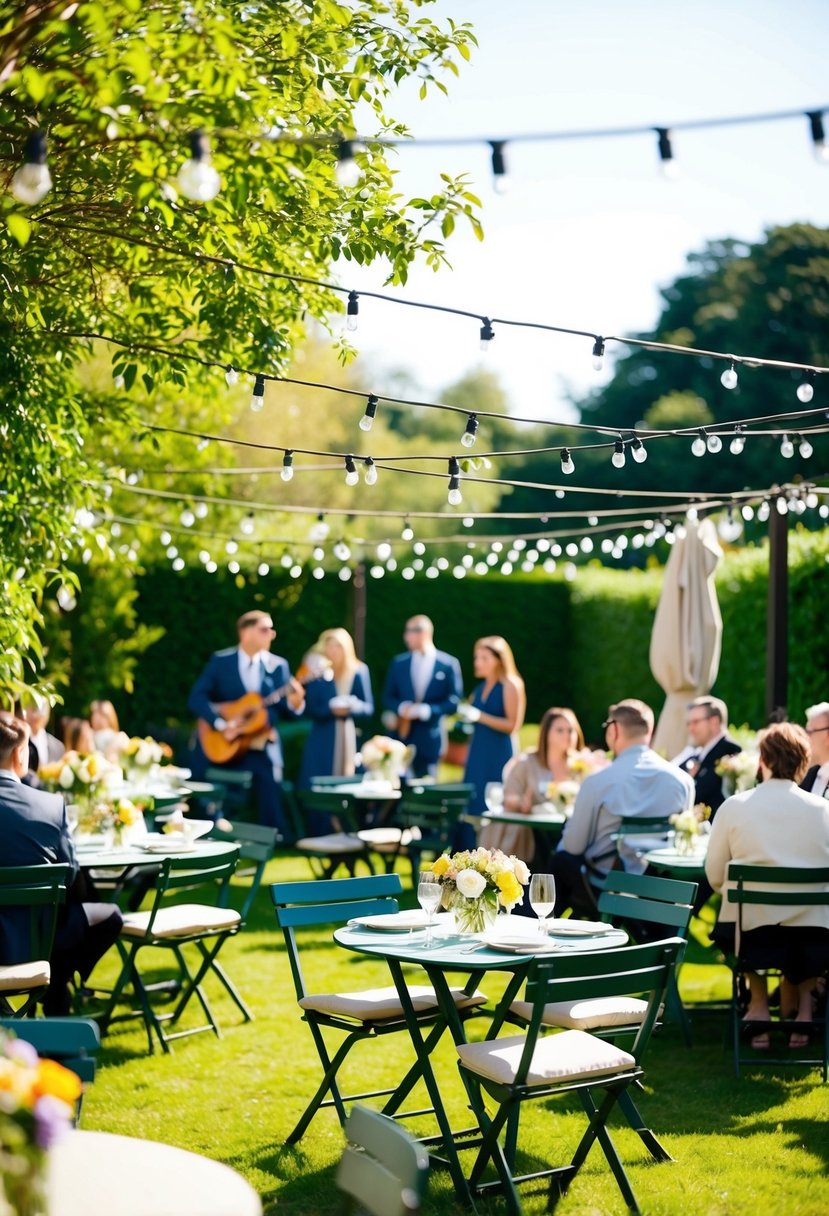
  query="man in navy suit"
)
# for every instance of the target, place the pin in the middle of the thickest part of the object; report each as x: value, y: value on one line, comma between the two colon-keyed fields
x: 422, y: 687
x: 229, y: 675
x: 816, y: 780
x: 34, y: 831
x: 707, y: 722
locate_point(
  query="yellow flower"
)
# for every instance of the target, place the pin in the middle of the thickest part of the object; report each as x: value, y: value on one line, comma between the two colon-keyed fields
x: 127, y: 812
x: 509, y: 887
x: 18, y: 1081
x: 57, y: 1081
x: 440, y: 865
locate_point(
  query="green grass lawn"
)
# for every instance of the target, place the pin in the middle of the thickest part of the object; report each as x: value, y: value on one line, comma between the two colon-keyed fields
x: 760, y: 1142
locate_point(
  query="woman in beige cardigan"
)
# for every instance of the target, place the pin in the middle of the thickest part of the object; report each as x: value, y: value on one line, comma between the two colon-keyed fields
x: 775, y: 824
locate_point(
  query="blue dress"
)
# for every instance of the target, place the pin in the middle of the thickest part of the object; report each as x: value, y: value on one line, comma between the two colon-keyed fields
x: 318, y: 757
x: 490, y: 750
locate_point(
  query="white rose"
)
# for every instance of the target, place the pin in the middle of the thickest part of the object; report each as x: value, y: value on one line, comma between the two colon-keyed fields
x: 67, y: 778
x: 470, y: 884
x: 521, y: 872
x: 144, y: 755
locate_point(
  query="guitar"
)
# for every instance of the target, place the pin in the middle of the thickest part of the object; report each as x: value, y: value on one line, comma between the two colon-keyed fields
x: 247, y: 718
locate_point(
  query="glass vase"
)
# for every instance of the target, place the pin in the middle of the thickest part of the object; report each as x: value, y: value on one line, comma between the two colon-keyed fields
x: 685, y: 843
x: 476, y: 915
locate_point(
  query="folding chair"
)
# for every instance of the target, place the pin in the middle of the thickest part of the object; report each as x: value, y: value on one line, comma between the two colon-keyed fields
x: 383, y: 1171
x: 32, y: 896
x: 327, y: 851
x: 648, y: 827
x: 72, y: 1042
x: 366, y: 1014
x: 256, y: 845
x: 234, y: 798
x: 510, y: 1071
x: 775, y: 886
x: 171, y: 927
x: 430, y: 824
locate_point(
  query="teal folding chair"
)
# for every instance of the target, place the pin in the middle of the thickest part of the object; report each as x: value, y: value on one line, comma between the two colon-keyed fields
x: 500, y: 1074
x: 30, y: 896
x: 357, y: 1016
x: 383, y: 1171
x: 341, y: 846
x: 72, y: 1042
x: 233, y: 797
x: 172, y: 926
x: 256, y: 846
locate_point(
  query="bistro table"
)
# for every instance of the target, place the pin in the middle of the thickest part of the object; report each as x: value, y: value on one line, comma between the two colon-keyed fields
x: 453, y: 952
x: 677, y: 865
x: 90, y: 1172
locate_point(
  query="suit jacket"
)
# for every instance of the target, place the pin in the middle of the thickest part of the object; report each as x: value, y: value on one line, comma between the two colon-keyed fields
x: 809, y: 780
x: 34, y: 832
x: 707, y: 781
x: 442, y: 696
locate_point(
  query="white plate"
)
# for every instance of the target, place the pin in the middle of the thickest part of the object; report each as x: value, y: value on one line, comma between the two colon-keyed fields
x: 578, y: 928
x: 396, y: 922
x: 192, y: 829
x: 168, y: 844
x: 522, y: 945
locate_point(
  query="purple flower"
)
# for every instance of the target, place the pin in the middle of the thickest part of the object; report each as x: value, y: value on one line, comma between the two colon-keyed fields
x: 52, y: 1120
x: 21, y: 1052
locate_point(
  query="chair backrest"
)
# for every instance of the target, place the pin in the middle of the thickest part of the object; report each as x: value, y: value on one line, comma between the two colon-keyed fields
x: 384, y: 1170
x: 235, y: 790
x: 73, y: 1042
x: 329, y: 901
x: 256, y: 844
x: 777, y: 886
x: 440, y: 790
x: 322, y: 782
x: 632, y: 970
x: 38, y: 890
x: 644, y: 825
x: 657, y: 901
x: 177, y: 874
x: 339, y: 806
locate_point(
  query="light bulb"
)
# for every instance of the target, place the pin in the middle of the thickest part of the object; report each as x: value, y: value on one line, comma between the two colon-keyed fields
x: 287, y: 472
x: 351, y: 311
x: 232, y: 377
x: 786, y: 447
x: 342, y: 551
x: 367, y: 419
x: 500, y: 181
x: 714, y: 443
x: 618, y: 457
x: 567, y: 465
x: 729, y: 378
x: 351, y: 474
x: 640, y: 452
x: 257, y: 400
x: 347, y: 170
x: 247, y: 524
x: 805, y: 392
x: 805, y: 449
x: 32, y: 181
x: 487, y: 333
x: 187, y: 519
x: 598, y: 354
x: 455, y: 498
x: 471, y: 432
x: 737, y: 444
x: 408, y: 532
x: 699, y: 447
x: 197, y: 179
x: 371, y: 472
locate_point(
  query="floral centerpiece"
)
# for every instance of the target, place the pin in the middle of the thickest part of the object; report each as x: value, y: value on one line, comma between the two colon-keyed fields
x: 83, y: 778
x: 109, y: 817
x: 37, y: 1100
x: 139, y: 756
x: 584, y: 762
x: 477, y: 882
x: 385, y: 758
x: 563, y: 794
x: 738, y: 772
x: 688, y: 826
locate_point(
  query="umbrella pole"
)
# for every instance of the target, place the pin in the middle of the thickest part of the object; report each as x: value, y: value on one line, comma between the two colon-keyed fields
x: 777, y: 636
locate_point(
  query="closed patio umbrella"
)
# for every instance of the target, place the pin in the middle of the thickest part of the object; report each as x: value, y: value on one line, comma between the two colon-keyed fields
x: 687, y: 631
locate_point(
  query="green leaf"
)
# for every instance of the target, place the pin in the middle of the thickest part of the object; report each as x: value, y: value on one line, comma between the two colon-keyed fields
x: 19, y: 227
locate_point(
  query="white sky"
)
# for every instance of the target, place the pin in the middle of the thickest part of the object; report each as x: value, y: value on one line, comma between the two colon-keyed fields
x: 590, y: 230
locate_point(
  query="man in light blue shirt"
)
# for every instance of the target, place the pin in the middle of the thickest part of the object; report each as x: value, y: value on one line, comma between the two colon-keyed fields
x: 638, y: 783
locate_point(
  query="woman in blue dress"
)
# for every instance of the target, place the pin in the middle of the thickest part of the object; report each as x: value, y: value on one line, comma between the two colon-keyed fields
x: 334, y: 701
x: 497, y: 710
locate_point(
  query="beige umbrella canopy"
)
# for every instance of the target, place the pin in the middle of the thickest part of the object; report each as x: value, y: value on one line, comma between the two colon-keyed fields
x: 687, y: 631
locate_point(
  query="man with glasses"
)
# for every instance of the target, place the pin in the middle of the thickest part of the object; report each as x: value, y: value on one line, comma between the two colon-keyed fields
x: 638, y: 782
x: 816, y: 780
x: 707, y: 722
x: 422, y: 687
x: 228, y: 676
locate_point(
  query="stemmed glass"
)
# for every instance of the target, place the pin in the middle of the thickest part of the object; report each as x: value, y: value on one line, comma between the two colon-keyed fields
x: 429, y: 893
x: 542, y: 897
x: 494, y: 795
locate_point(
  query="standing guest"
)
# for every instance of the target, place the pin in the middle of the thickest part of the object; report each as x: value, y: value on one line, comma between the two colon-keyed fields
x: 422, y: 687
x: 775, y: 824
x: 78, y: 736
x: 816, y: 780
x: 707, y: 722
x: 34, y: 831
x: 338, y: 697
x: 231, y: 674
x: 638, y: 782
x: 43, y: 747
x: 105, y: 729
x: 496, y: 709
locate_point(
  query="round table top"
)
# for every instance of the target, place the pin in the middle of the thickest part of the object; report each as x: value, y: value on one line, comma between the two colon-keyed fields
x: 99, y: 857
x: 691, y: 865
x: 537, y: 818
x: 91, y: 1172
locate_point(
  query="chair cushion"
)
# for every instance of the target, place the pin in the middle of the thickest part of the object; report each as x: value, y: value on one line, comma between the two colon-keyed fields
x: 380, y: 1004
x: 386, y: 838
x: 15, y: 977
x: 336, y: 842
x: 181, y: 920
x: 587, y: 1015
x: 557, y: 1057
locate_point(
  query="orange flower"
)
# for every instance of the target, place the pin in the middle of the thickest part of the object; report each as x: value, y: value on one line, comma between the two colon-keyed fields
x: 59, y: 1082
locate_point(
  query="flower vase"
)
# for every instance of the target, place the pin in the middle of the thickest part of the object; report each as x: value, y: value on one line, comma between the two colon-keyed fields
x: 22, y: 1177
x: 685, y: 843
x: 476, y: 915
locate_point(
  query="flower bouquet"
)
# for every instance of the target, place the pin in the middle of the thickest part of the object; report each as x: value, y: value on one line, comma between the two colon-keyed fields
x: 139, y: 756
x: 584, y: 762
x: 109, y: 817
x: 37, y: 1100
x: 478, y: 882
x: 738, y: 772
x: 688, y: 826
x: 384, y: 758
x: 562, y: 795
x: 84, y: 779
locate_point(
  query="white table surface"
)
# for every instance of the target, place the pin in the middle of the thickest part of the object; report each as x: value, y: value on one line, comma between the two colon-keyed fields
x: 98, y: 1174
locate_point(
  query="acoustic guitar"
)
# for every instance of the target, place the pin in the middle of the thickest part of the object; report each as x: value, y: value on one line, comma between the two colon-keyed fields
x: 249, y: 716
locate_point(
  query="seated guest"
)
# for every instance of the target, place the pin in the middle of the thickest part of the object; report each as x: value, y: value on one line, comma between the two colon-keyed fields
x: 638, y: 783
x: 707, y: 723
x: 77, y: 736
x: 34, y: 831
x: 775, y: 824
x: 816, y: 780
x: 335, y: 700
x: 43, y: 747
x: 106, y: 732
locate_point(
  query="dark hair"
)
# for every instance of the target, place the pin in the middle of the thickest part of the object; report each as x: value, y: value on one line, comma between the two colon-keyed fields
x: 252, y: 618
x: 13, y: 732
x: 634, y: 717
x: 550, y: 715
x: 785, y: 751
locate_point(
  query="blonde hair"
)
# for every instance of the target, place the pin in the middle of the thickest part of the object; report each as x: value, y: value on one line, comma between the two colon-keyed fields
x: 107, y: 711
x: 344, y: 639
x: 502, y: 650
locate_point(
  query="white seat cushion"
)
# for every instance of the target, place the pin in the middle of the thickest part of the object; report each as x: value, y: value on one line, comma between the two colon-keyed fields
x: 386, y: 838
x: 181, y: 920
x: 22, y: 976
x: 557, y: 1057
x: 336, y: 842
x: 380, y: 1004
x: 587, y: 1015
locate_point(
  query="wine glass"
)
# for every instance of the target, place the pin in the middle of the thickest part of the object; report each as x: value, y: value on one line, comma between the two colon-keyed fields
x: 542, y: 897
x: 429, y: 893
x: 494, y: 796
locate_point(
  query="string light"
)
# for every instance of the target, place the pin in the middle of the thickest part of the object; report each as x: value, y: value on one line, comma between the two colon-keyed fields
x: 408, y: 530
x: 487, y: 333
x: 729, y: 377
x: 287, y: 466
x: 347, y: 170
x: 598, y: 354
x: 455, y: 497
x: 805, y: 448
x: 500, y: 181
x: 352, y: 311
x: 806, y: 390
x: 618, y: 457
x: 818, y: 134
x: 351, y: 474
x: 367, y: 419
x: 738, y: 442
x: 714, y: 443
x: 700, y: 445
x: 371, y: 472
x: 231, y: 376
x: 319, y: 530
x: 786, y: 447
x: 666, y: 152
x: 257, y: 400
x: 341, y: 551
x: 247, y: 525
x: 32, y: 181
x: 639, y: 451
x: 471, y: 432
x: 567, y: 465
x: 197, y: 179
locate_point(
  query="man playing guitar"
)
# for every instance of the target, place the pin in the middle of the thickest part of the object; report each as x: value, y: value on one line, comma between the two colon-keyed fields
x: 239, y: 698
